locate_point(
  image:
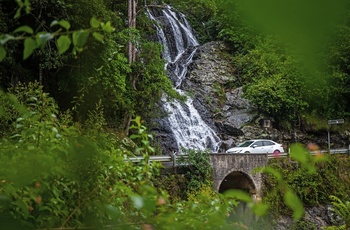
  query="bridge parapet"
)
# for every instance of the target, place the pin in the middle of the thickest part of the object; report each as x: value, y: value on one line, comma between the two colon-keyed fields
x: 228, y: 166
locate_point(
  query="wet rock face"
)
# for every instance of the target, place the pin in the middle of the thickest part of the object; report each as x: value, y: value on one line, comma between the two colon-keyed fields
x: 217, y: 95
x: 317, y: 217
x: 215, y: 89
x: 222, y: 106
x: 211, y: 81
x: 165, y: 136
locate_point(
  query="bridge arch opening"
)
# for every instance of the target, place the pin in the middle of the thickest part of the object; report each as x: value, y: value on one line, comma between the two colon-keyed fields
x: 238, y: 180
x: 242, y: 181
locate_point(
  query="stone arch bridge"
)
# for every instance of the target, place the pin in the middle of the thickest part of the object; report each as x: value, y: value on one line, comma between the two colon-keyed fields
x: 230, y: 171
x: 237, y: 171
x: 234, y: 171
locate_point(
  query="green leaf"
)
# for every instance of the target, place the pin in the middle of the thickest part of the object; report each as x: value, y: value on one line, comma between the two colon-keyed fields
x: 273, y: 172
x: 63, y: 43
x: 43, y: 37
x: 137, y: 120
x: 2, y: 53
x: 20, y: 3
x: 27, y: 5
x: 94, y: 22
x: 98, y: 36
x: 107, y: 27
x: 18, y: 13
x: 239, y: 195
x: 26, y: 29
x: 80, y: 38
x: 299, y: 153
x: 65, y: 24
x: 293, y: 202
x: 29, y: 46
x: 134, y: 136
x: 5, y: 38
x: 113, y: 211
x: 149, y: 204
x: 139, y: 149
x: 53, y: 23
x: 137, y: 201
x: 260, y: 209
x: 145, y: 142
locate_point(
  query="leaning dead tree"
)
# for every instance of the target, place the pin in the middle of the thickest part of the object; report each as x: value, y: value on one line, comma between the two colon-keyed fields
x: 131, y: 52
x: 132, y: 13
x: 132, y: 25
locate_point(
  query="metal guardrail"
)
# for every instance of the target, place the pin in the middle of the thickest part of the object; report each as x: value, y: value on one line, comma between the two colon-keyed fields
x: 331, y: 151
x: 271, y: 156
x: 339, y: 151
x: 162, y: 158
x: 168, y: 158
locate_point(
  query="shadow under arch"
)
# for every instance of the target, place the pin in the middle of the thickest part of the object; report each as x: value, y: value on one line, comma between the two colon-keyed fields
x: 238, y: 180
x: 242, y: 213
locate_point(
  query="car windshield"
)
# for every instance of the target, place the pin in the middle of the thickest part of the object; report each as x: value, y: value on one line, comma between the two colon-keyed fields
x: 245, y: 144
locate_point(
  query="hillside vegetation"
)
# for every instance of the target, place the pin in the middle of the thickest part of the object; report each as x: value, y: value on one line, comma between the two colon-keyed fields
x: 73, y: 108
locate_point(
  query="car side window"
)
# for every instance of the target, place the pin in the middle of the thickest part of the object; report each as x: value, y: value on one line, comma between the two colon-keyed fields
x: 258, y: 143
x: 267, y: 143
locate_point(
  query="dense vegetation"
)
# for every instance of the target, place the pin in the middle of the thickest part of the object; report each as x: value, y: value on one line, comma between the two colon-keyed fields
x: 322, y: 184
x: 57, y: 173
x: 289, y: 74
x: 100, y: 74
x: 70, y: 111
x: 292, y: 65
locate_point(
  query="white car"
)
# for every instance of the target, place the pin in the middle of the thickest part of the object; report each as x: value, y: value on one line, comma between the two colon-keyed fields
x: 257, y: 146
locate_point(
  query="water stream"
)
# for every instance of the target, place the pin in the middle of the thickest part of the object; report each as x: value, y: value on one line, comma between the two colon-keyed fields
x: 180, y: 44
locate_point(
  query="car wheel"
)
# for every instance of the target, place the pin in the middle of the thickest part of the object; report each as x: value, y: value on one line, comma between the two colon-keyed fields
x: 246, y: 152
x: 276, y: 152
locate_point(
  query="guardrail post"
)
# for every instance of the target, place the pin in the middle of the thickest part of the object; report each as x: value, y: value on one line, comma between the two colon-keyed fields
x: 174, y: 162
x: 288, y: 154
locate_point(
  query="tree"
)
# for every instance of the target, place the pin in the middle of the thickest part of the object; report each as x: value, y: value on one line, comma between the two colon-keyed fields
x: 132, y: 25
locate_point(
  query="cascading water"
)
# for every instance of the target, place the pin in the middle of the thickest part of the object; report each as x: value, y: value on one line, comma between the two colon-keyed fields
x: 175, y: 34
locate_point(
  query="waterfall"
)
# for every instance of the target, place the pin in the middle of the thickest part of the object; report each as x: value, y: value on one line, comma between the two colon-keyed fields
x: 180, y: 44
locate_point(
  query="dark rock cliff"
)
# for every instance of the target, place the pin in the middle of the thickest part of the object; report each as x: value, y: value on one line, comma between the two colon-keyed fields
x: 214, y: 84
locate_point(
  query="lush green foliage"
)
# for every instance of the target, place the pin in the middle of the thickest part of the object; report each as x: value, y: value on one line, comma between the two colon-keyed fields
x: 75, y: 176
x: 342, y: 209
x: 232, y: 28
x: 63, y: 169
x: 55, y: 173
x: 271, y: 80
x: 66, y: 177
x: 175, y: 184
x: 285, y: 72
x: 100, y: 74
x: 198, y: 166
x: 279, y: 73
x: 313, y: 178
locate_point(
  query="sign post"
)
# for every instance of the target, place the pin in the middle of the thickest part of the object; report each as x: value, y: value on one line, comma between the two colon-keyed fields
x: 332, y: 122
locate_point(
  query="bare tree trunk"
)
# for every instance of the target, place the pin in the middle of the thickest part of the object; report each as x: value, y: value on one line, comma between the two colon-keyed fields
x: 127, y: 123
x: 131, y: 53
x: 132, y: 25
